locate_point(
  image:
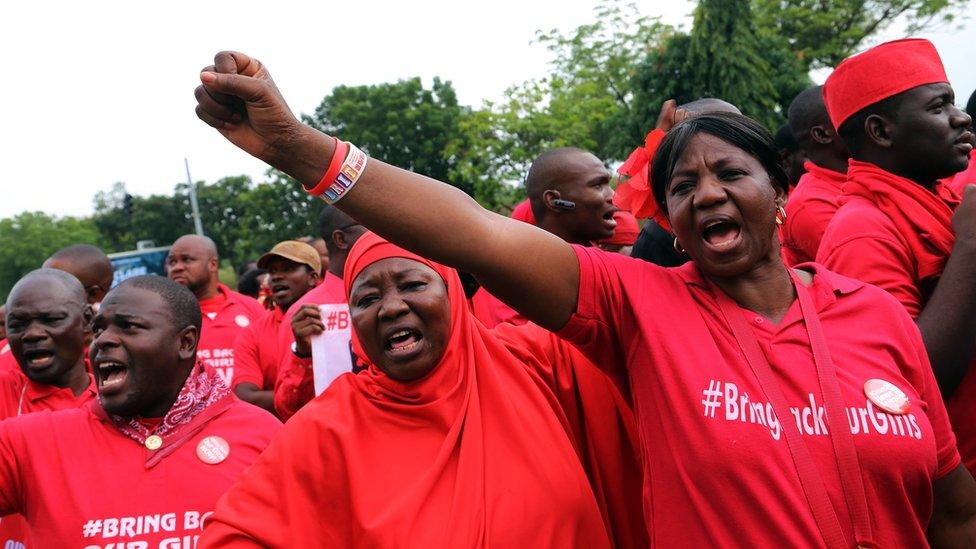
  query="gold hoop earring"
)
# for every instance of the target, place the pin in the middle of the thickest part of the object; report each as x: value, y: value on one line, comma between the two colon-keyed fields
x: 780, y: 215
x: 677, y: 246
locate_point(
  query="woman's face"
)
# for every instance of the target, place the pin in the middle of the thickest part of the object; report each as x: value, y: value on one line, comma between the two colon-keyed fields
x: 402, y: 314
x: 722, y: 207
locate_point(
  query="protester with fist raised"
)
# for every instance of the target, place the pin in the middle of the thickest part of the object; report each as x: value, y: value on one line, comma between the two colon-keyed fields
x: 867, y: 459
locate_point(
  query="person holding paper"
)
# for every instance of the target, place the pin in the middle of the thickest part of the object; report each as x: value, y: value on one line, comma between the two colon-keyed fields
x: 296, y: 383
x: 294, y: 268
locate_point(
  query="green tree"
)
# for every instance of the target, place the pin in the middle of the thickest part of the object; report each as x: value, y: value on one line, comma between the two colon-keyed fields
x: 823, y: 32
x: 27, y: 239
x: 419, y: 129
x: 160, y: 218
x: 587, y: 100
x: 724, y: 56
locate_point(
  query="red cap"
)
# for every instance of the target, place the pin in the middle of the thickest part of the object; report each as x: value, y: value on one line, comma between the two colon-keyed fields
x: 625, y: 234
x: 523, y: 212
x: 879, y: 73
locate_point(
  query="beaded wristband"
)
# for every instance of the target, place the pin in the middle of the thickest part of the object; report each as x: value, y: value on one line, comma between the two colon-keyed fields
x: 338, y: 156
x: 352, y: 168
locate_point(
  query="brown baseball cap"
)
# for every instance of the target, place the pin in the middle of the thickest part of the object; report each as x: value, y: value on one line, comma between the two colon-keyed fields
x: 299, y: 252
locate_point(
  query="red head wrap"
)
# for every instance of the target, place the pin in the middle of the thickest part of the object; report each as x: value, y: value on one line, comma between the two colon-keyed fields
x: 879, y: 73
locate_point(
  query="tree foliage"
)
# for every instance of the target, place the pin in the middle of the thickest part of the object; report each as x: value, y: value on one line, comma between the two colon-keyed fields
x: 27, y: 239
x: 823, y: 32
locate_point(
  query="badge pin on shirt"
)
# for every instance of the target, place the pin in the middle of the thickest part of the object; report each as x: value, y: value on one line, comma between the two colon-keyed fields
x: 213, y: 450
x: 887, y: 396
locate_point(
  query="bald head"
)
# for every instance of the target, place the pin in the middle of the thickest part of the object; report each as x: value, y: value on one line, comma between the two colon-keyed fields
x: 66, y: 287
x: 88, y: 264
x: 709, y: 104
x: 340, y: 232
x: 814, y: 132
x: 569, y: 191
x: 193, y: 262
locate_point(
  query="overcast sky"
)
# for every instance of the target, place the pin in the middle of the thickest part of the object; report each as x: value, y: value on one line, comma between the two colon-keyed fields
x: 99, y: 92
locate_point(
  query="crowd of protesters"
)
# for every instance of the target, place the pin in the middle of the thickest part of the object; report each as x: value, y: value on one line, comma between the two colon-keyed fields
x: 752, y: 341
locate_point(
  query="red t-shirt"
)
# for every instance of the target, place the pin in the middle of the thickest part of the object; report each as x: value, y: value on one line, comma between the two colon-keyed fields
x: 718, y: 471
x: 224, y: 318
x: 81, y: 483
x: 256, y: 352
x: 295, y: 385
x: 864, y: 243
x: 7, y: 360
x: 492, y: 311
x: 19, y: 396
x: 808, y: 211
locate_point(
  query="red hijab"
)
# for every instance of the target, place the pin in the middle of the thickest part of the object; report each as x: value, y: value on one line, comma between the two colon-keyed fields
x: 474, y: 454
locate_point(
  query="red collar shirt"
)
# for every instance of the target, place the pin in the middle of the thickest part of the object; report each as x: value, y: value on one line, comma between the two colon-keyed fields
x: 80, y: 482
x: 19, y: 396
x: 7, y: 360
x: 808, y: 211
x: 256, y: 352
x: 295, y: 385
x: 221, y: 326
x: 718, y: 471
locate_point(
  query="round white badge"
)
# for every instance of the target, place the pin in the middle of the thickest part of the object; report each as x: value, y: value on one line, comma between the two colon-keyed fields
x: 213, y: 450
x: 887, y: 396
x: 153, y: 442
x: 242, y: 321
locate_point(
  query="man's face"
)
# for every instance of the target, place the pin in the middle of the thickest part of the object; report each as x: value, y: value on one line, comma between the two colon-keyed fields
x: 585, y: 181
x: 931, y: 136
x: 192, y: 266
x: 46, y: 331
x: 137, y: 352
x: 289, y: 280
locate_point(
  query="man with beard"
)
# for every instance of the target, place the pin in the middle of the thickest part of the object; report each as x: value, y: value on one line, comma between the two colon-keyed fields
x: 193, y: 262
x: 293, y: 268
x: 144, y: 464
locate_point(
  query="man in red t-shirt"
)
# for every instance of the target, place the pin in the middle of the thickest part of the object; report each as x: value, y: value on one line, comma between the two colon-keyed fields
x: 294, y: 270
x: 570, y: 196
x: 296, y: 383
x: 49, y: 317
x: 193, y: 262
x: 899, y: 226
x: 89, y: 265
x: 144, y: 465
x: 813, y: 203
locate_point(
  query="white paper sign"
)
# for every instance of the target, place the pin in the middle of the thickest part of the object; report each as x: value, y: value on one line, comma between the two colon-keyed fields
x: 331, y: 356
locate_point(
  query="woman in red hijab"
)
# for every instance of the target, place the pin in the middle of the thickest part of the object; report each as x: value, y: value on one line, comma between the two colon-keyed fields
x: 447, y: 439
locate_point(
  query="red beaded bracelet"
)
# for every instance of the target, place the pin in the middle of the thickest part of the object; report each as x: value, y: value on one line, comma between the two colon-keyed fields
x: 338, y: 157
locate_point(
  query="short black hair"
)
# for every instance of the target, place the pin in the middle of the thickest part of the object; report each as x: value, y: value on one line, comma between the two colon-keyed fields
x: 330, y: 220
x: 249, y: 283
x: 183, y: 306
x: 852, y: 129
x: 544, y: 174
x: 735, y: 129
x: 784, y: 139
x: 971, y: 105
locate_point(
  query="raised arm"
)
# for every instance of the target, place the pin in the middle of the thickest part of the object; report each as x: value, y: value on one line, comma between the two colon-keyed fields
x: 530, y: 269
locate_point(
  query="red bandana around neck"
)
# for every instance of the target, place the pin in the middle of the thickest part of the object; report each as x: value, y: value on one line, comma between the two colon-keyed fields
x: 922, y: 217
x: 201, y: 391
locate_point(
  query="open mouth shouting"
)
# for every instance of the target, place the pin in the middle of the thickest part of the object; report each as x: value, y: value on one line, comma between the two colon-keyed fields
x: 279, y: 291
x: 720, y: 233
x: 39, y: 358
x: 402, y: 344
x: 609, y: 220
x: 111, y: 375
